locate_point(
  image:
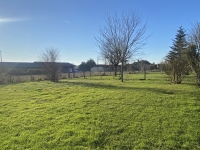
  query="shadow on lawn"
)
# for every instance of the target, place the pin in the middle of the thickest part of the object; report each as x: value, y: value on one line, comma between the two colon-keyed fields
x: 118, y: 87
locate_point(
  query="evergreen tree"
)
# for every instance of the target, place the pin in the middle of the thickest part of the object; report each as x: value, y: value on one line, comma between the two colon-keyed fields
x: 176, y: 61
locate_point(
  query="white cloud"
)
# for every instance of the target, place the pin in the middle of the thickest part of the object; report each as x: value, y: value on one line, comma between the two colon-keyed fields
x: 9, y: 20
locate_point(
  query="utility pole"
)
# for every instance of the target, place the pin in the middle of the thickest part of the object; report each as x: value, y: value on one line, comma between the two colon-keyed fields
x: 1, y: 55
x: 90, y: 68
x: 1, y: 65
x: 97, y: 65
x: 98, y: 58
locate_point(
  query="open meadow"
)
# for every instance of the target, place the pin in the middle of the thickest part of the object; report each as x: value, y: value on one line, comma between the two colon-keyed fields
x: 101, y: 113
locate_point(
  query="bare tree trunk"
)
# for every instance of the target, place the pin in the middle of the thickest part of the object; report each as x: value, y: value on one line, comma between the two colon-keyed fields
x: 31, y: 76
x: 115, y: 70
x: 90, y: 69
x: 84, y: 74
x: 174, y: 76
x: 122, y: 72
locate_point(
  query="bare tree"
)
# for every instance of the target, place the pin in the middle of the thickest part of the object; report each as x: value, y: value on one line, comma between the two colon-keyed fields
x: 49, y: 59
x: 194, y: 50
x: 121, y: 38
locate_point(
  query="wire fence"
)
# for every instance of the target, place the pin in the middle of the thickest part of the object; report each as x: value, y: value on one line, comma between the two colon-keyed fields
x: 7, y: 78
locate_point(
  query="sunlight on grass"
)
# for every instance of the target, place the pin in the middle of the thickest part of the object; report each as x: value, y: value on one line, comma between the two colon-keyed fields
x: 97, y: 113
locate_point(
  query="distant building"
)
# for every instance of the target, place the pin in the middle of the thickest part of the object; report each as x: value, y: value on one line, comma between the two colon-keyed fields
x: 101, y: 68
x: 97, y: 69
x: 139, y: 65
x: 65, y: 67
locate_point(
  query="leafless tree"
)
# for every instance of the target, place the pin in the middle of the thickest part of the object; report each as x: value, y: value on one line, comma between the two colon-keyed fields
x: 194, y: 49
x: 49, y: 59
x: 121, y: 38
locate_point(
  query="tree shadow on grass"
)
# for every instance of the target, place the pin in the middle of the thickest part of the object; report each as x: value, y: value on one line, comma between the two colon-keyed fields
x: 118, y: 87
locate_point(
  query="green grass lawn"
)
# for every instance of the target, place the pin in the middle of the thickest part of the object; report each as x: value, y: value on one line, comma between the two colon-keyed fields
x: 101, y: 113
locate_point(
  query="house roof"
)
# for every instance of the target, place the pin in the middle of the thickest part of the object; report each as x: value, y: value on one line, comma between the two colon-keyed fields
x: 31, y: 65
x: 103, y: 65
x: 142, y: 61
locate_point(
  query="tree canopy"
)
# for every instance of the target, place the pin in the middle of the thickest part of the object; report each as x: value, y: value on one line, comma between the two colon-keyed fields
x: 86, y: 66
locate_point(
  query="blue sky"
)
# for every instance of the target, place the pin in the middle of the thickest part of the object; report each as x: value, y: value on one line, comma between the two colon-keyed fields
x: 27, y: 27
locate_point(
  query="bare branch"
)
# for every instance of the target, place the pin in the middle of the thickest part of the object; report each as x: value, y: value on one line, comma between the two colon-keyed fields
x: 122, y: 37
x: 49, y: 59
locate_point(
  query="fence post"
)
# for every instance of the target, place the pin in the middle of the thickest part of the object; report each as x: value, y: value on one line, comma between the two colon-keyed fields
x: 31, y: 75
x: 68, y: 74
x: 73, y: 72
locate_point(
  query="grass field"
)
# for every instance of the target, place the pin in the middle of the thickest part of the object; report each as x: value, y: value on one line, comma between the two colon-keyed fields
x: 97, y: 113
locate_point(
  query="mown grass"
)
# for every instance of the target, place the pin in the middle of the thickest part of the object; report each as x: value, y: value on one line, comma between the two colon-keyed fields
x: 101, y: 113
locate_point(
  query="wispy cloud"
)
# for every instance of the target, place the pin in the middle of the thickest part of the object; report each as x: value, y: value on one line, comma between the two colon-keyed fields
x: 9, y: 20
x: 66, y: 21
